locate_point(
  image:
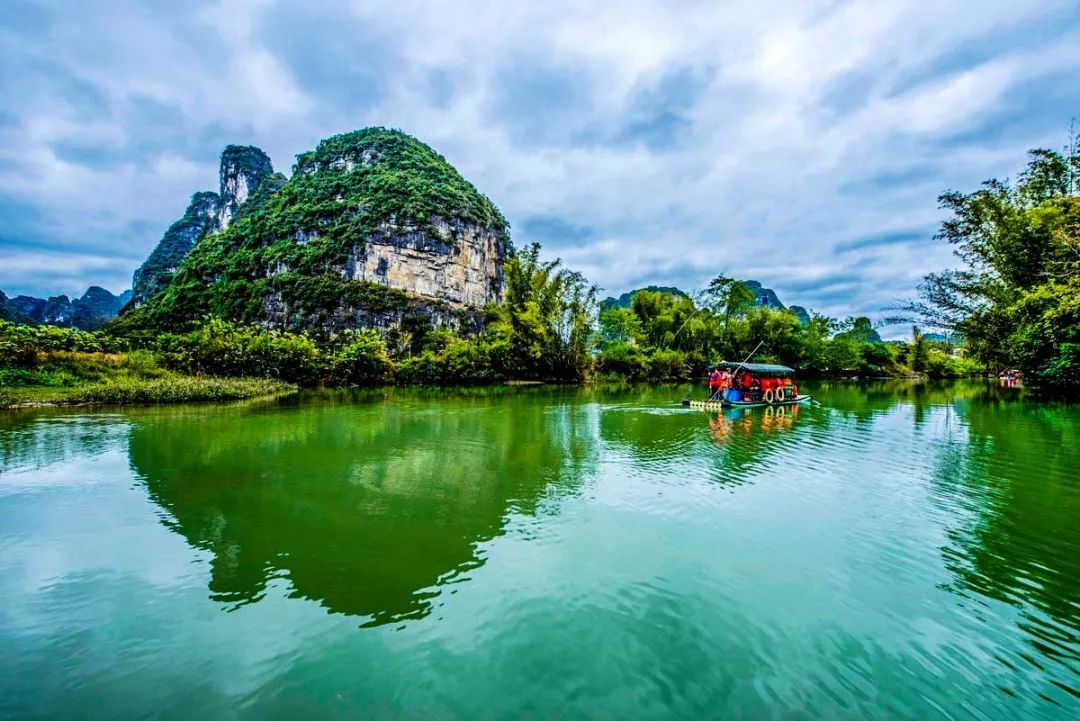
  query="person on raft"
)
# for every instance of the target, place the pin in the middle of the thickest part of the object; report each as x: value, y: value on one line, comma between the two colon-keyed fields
x: 715, y: 383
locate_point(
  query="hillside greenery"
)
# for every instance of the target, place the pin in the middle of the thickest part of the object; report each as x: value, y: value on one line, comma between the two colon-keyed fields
x: 294, y: 245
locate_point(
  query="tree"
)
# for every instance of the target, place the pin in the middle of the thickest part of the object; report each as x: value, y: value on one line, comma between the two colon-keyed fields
x: 917, y: 352
x: 728, y: 296
x: 1015, y: 301
x: 544, y: 322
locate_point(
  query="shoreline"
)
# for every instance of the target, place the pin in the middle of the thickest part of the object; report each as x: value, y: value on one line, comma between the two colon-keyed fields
x: 144, y: 392
x: 213, y: 389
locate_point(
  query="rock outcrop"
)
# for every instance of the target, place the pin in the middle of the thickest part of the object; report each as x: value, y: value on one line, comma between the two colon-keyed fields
x: 243, y: 171
x: 372, y: 227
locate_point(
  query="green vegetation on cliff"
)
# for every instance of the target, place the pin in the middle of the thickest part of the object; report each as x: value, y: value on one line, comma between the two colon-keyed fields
x: 292, y: 250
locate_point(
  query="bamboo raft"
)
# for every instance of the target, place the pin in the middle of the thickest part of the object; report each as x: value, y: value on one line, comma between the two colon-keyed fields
x: 725, y: 405
x: 767, y: 399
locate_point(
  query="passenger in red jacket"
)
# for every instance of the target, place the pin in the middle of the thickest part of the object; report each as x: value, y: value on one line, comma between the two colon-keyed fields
x: 715, y: 383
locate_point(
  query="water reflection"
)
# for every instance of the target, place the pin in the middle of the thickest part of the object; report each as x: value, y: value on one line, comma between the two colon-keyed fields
x: 39, y: 439
x: 768, y: 420
x: 1020, y: 544
x: 363, y: 508
x: 900, y: 549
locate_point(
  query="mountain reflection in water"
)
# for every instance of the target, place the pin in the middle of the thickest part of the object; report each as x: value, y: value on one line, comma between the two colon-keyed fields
x: 360, y: 507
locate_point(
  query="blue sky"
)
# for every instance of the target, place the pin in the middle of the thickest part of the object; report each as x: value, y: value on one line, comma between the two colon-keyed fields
x: 797, y: 142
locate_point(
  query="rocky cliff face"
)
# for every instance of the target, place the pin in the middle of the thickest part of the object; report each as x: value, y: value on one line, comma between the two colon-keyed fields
x: 243, y: 171
x: 451, y: 260
x: 200, y: 218
x: 373, y: 226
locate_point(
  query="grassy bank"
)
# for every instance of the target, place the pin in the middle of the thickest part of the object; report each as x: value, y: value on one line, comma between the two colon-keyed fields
x: 178, y: 389
x: 75, y: 378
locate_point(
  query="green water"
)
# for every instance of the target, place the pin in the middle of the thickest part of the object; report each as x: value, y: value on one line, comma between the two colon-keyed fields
x: 899, y: 552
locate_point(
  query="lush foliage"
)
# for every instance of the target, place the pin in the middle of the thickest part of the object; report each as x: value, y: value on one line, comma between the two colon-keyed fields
x: 541, y: 330
x: 664, y: 336
x: 1016, y: 301
x: 45, y: 364
x: 291, y: 250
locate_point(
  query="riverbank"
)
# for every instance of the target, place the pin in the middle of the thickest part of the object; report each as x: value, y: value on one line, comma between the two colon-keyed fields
x: 150, y: 391
x: 66, y: 378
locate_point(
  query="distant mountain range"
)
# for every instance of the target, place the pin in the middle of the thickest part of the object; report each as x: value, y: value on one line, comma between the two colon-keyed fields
x: 94, y: 309
x: 763, y: 297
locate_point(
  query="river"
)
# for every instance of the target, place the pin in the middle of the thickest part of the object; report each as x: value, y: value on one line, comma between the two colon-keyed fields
x: 901, y: 551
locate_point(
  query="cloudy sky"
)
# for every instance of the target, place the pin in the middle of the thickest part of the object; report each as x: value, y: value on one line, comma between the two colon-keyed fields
x: 801, y: 143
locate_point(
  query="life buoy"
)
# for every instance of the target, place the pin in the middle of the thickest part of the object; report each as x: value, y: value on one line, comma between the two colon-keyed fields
x: 769, y: 396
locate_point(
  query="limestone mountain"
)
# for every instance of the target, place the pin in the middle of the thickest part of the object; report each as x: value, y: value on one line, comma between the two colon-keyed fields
x: 246, y: 180
x: 97, y: 307
x: 372, y: 226
x: 94, y: 309
x: 801, y: 313
x: 764, y: 297
x: 624, y: 300
x: 10, y: 313
x: 861, y: 330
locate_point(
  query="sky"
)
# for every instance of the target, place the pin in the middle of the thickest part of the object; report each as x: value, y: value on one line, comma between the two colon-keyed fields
x: 801, y: 143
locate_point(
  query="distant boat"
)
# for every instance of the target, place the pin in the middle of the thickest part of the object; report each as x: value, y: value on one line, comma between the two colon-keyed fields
x: 754, y: 385
x: 1012, y: 378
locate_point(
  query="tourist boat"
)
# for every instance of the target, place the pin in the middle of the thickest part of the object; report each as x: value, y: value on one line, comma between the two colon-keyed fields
x: 771, y: 391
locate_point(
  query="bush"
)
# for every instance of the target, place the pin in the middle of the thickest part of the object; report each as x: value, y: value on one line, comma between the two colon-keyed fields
x: 943, y: 365
x: 878, y: 359
x: 621, y: 359
x: 24, y: 345
x: 362, y: 360
x: 222, y: 348
x: 667, y: 365
x: 1064, y: 368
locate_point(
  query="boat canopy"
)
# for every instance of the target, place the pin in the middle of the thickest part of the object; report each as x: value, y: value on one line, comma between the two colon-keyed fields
x: 761, y: 369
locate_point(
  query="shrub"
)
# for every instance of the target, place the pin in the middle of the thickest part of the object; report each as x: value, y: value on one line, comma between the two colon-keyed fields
x: 363, y: 359
x: 219, y: 347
